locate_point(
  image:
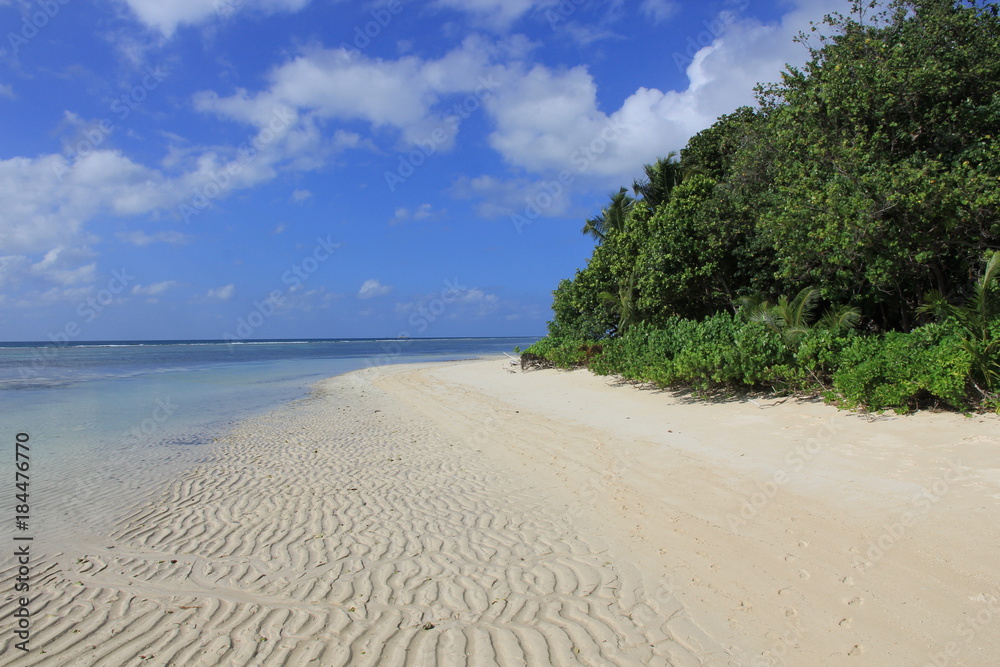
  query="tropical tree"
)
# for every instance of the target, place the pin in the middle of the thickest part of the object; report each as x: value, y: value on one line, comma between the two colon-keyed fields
x: 884, y: 157
x: 612, y: 217
x: 978, y: 320
x: 661, y: 178
x: 623, y: 302
x: 793, y: 318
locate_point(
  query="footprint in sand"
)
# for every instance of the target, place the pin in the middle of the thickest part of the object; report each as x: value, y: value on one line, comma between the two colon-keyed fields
x: 855, y: 602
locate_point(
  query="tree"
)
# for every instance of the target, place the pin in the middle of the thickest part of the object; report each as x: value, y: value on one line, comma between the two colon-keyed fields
x: 612, y: 217
x: 886, y: 179
x: 661, y: 178
x: 978, y: 320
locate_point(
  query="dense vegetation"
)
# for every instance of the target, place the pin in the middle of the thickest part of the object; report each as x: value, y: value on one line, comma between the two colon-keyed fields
x: 839, y: 238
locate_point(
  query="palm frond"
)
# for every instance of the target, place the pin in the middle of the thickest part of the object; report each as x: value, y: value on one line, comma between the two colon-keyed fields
x: 839, y: 318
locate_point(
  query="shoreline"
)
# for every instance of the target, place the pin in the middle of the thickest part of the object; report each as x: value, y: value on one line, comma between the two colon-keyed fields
x: 452, y: 512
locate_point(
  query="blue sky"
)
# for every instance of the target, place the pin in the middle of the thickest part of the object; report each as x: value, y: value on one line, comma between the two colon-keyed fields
x: 315, y: 168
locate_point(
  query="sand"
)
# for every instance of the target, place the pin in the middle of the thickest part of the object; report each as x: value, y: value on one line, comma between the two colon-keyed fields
x: 460, y: 513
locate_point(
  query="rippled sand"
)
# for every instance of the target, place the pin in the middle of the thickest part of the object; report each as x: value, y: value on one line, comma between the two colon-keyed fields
x: 347, y: 529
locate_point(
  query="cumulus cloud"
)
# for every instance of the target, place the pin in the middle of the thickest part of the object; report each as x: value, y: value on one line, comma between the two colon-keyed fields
x: 61, y: 274
x: 549, y: 119
x: 224, y: 293
x: 372, y: 288
x: 341, y: 85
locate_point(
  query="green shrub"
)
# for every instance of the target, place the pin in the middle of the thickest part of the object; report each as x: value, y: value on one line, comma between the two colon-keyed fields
x: 562, y: 352
x: 904, y: 371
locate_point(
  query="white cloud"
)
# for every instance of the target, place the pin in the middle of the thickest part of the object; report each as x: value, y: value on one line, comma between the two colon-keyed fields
x: 280, y: 228
x: 522, y: 196
x: 549, y: 119
x: 224, y: 293
x: 372, y: 288
x: 658, y: 11
x: 299, y: 196
x: 422, y: 212
x: 498, y: 14
x: 47, y: 199
x: 6, y: 91
x: 337, y: 84
x: 459, y: 303
x: 61, y: 274
x: 155, y: 288
x: 142, y: 239
x: 167, y: 16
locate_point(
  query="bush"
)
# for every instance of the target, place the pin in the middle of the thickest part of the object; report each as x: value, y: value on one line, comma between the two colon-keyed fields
x: 904, y: 371
x: 718, y: 352
x: 561, y: 352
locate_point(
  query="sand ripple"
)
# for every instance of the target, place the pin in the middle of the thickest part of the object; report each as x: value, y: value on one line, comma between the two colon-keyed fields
x: 342, y: 530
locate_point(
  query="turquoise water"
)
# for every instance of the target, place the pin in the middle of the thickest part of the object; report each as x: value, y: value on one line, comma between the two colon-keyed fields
x: 97, y: 413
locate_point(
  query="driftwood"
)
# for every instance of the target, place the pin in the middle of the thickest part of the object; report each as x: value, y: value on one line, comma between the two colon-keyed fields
x: 530, y: 360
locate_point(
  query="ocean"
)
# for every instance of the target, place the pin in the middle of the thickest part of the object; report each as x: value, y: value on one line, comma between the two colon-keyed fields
x: 105, y: 420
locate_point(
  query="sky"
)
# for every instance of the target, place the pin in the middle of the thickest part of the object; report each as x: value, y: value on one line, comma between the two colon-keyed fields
x: 211, y: 169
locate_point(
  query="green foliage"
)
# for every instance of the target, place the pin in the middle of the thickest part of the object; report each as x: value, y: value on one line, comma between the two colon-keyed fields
x: 978, y: 321
x: 611, y: 219
x: 562, y: 352
x: 903, y: 371
x: 661, y: 178
x: 580, y: 313
x: 793, y: 318
x: 720, y: 352
x: 866, y: 179
x: 883, y: 180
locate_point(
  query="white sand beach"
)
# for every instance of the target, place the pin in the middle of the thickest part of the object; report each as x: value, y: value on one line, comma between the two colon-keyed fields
x: 458, y: 513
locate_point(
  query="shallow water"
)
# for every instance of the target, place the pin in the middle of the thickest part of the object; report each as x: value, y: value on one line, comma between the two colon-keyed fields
x: 107, y: 420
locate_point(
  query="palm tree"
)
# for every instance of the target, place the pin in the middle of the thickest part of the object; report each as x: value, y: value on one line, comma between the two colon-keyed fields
x: 792, y: 318
x: 976, y: 317
x: 612, y: 217
x: 661, y: 178
x: 624, y: 303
